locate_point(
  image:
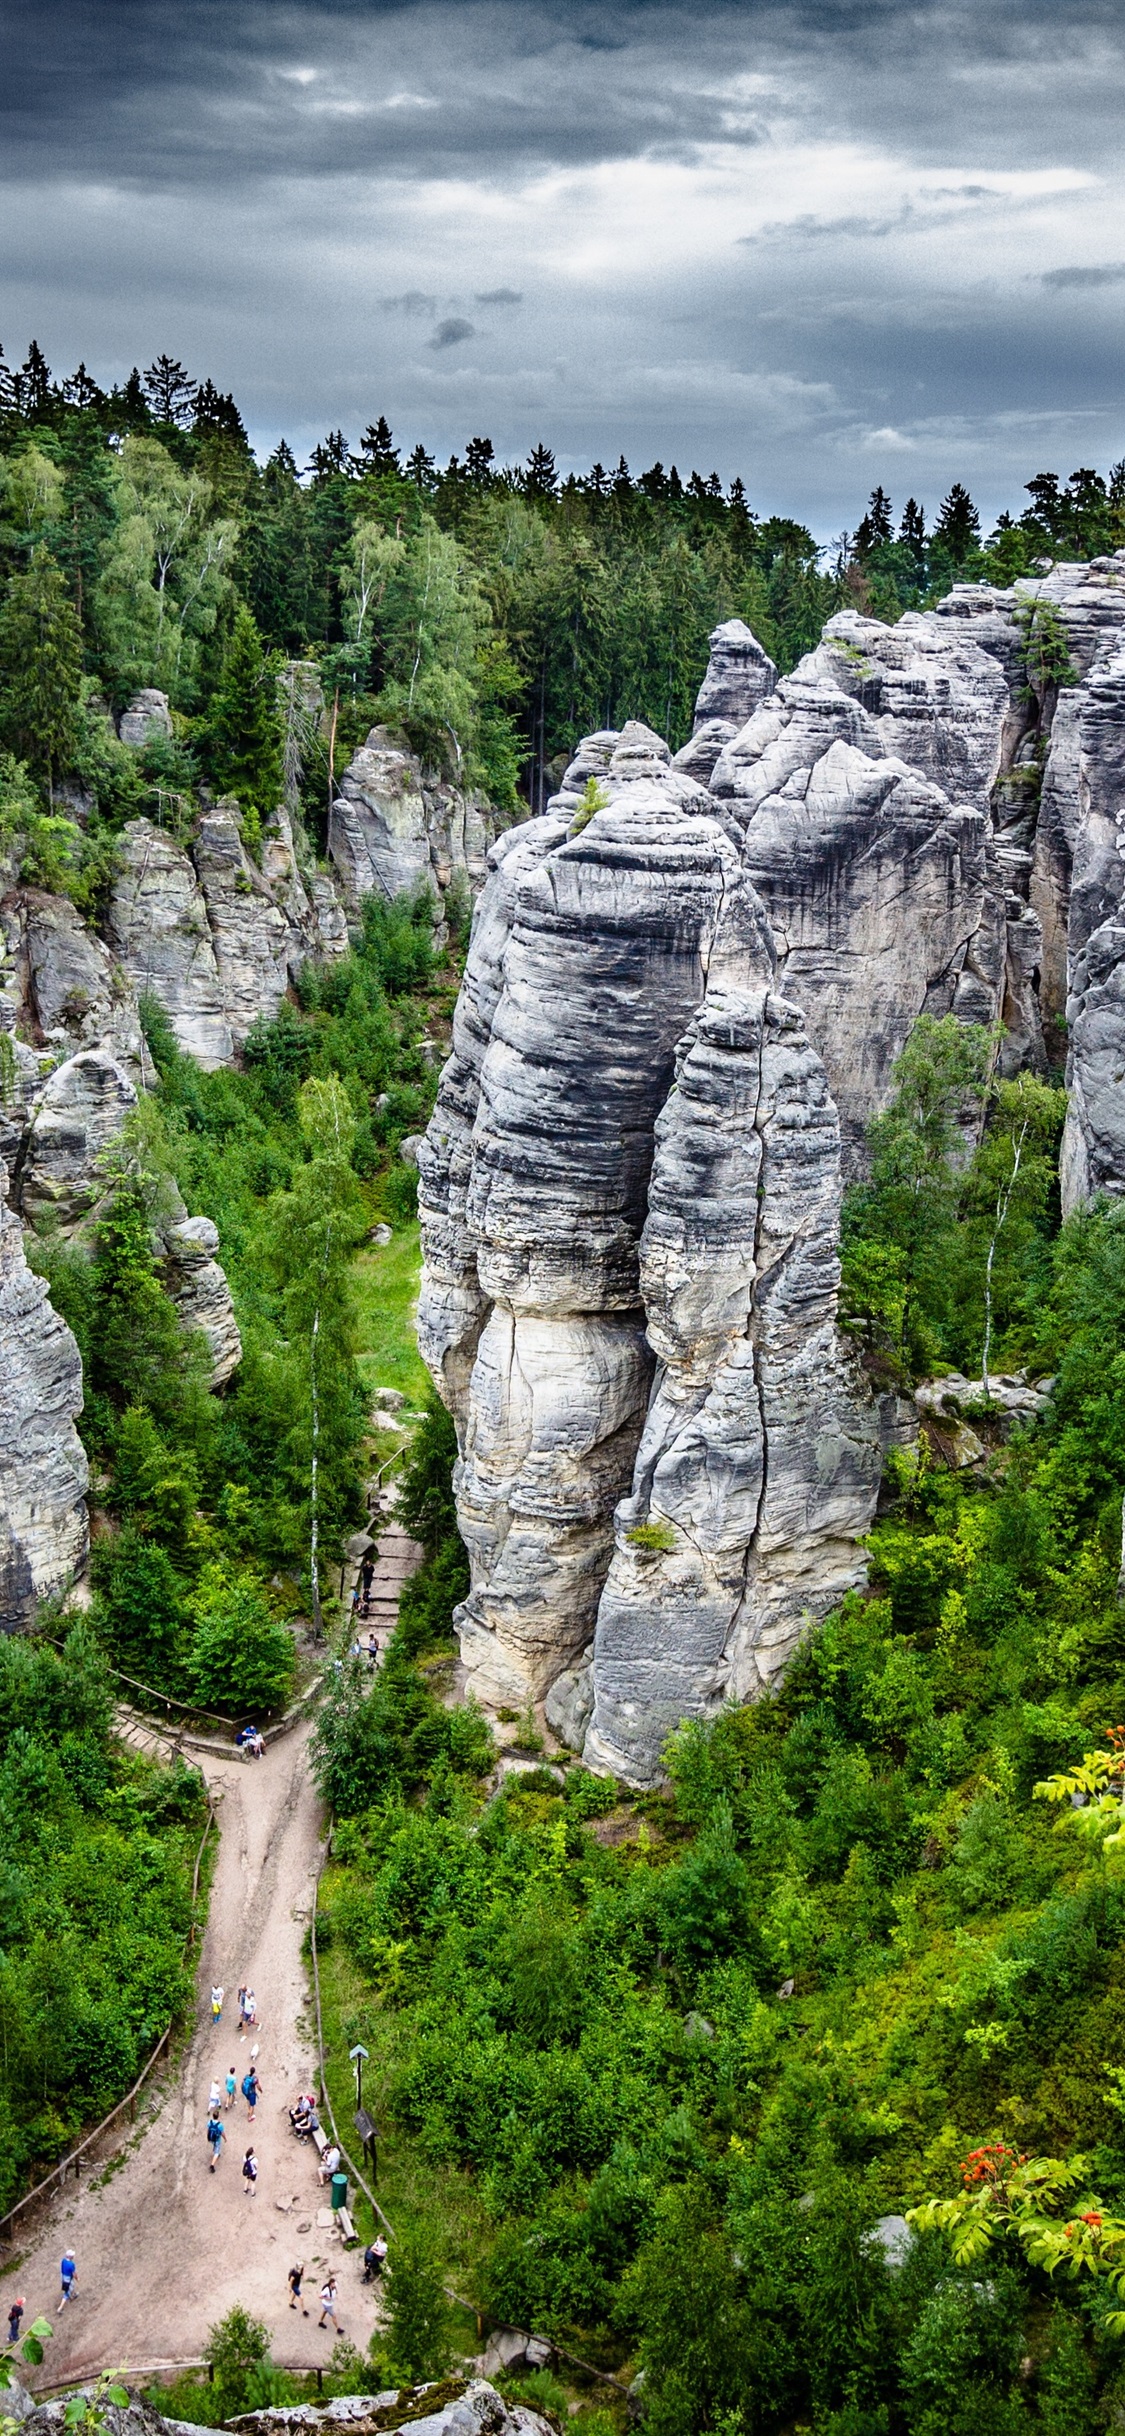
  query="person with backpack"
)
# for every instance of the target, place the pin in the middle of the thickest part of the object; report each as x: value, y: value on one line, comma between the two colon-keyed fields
x: 15, y: 2313
x: 249, y: 2173
x: 251, y: 2091
x: 215, y: 2136
x: 328, y: 2305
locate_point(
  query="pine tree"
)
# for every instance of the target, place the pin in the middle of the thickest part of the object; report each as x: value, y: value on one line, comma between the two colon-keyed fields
x: 246, y: 725
x: 378, y: 454
x: 958, y: 526
x: 170, y: 390
x: 912, y: 530
x: 40, y: 665
x: 421, y: 469
x: 539, y: 477
x: 479, y: 460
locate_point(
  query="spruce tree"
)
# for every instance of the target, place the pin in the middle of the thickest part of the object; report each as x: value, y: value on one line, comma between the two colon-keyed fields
x: 246, y: 725
x: 40, y: 665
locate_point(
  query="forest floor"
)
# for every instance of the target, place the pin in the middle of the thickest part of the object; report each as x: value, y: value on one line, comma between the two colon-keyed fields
x: 164, y: 2247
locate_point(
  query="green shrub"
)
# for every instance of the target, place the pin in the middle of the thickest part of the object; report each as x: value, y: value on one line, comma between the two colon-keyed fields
x: 239, y: 1658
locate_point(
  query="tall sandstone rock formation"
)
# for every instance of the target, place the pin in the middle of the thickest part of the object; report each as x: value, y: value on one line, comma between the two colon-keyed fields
x: 630, y: 1193
x: 675, y: 1015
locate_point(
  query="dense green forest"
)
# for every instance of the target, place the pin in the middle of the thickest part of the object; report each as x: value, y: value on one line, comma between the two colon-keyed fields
x: 494, y: 612
x: 653, y: 2069
x: 650, y: 2070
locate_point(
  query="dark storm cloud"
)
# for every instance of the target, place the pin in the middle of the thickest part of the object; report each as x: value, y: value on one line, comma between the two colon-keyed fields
x: 1085, y: 275
x: 801, y: 239
x: 170, y: 90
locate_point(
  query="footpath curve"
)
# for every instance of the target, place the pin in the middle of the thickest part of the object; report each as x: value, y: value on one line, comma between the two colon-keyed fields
x: 164, y: 2247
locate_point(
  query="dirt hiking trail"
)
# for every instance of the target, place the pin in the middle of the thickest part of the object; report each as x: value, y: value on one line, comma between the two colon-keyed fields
x: 165, y: 2247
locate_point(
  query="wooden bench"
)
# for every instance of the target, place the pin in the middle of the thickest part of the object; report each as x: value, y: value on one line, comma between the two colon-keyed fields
x: 320, y: 2141
x: 348, y: 2234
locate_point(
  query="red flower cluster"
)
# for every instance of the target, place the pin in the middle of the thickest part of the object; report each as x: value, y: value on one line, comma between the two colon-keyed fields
x: 991, y: 2164
x: 1092, y: 2217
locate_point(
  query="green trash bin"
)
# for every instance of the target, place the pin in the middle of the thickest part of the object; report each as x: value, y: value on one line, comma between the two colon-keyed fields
x: 339, y: 2190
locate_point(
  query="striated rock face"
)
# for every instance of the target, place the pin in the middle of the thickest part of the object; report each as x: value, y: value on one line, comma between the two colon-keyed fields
x: 216, y: 940
x: 551, y: 1188
x: 739, y: 676
x: 157, y: 926
x: 862, y: 787
x: 43, y: 1473
x: 393, y: 827
x: 760, y: 1458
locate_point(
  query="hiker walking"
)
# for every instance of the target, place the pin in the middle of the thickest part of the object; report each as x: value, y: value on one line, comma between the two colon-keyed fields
x: 328, y: 2305
x: 217, y: 2004
x: 294, y: 2281
x: 15, y: 2313
x: 251, y: 2091
x: 215, y: 2136
x: 230, y: 2085
x: 249, y: 2172
x: 214, y: 2097
x: 366, y: 1577
x: 69, y: 2276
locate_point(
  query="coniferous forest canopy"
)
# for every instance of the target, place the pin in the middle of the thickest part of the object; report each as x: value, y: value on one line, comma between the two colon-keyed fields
x: 651, y: 2072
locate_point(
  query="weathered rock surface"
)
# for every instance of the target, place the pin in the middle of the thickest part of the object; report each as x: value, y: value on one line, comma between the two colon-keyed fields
x: 157, y: 926
x: 395, y: 827
x: 43, y: 1472
x: 77, y: 1114
x: 760, y: 1457
x: 148, y: 714
x: 460, y: 2408
x: 594, y: 958
x: 862, y: 786
x: 199, y: 1289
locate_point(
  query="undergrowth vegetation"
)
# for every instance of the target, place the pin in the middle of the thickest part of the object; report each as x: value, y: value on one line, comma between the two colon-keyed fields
x: 97, y: 1851
x: 655, y: 2073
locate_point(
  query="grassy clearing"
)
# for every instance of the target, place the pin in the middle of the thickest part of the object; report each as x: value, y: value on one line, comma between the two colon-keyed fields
x: 386, y: 1286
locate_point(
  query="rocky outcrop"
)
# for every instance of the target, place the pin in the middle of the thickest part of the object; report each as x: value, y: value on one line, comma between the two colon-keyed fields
x: 199, y: 1289
x: 760, y: 1457
x: 213, y: 937
x: 395, y: 827
x: 562, y: 1156
x: 148, y: 714
x: 862, y: 789
x: 80, y: 1110
x: 157, y: 927
x: 43, y: 1472
x: 740, y: 675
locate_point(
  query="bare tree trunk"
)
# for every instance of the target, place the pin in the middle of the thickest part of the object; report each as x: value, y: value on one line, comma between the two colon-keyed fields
x: 1003, y: 1200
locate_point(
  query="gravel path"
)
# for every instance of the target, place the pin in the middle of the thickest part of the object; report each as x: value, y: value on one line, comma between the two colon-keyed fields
x: 165, y: 2247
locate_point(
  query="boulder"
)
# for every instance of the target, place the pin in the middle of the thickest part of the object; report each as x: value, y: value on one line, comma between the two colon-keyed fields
x: 43, y: 1471
x: 458, y: 2407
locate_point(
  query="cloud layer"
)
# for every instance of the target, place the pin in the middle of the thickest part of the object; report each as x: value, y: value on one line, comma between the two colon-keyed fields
x: 818, y: 244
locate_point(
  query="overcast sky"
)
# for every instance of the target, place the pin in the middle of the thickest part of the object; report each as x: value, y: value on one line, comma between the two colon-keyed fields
x: 819, y: 244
